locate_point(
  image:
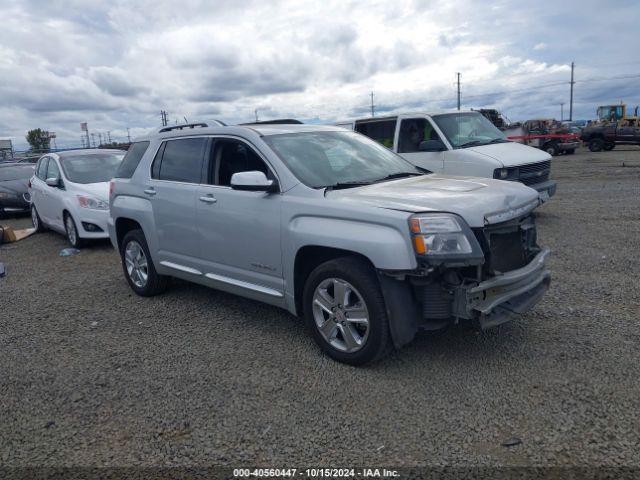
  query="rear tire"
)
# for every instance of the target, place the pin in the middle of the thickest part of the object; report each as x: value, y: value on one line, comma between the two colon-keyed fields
x: 552, y: 149
x: 344, y: 309
x: 596, y: 144
x: 138, y: 267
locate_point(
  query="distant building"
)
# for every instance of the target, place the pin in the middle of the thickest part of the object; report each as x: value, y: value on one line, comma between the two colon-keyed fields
x: 6, y: 149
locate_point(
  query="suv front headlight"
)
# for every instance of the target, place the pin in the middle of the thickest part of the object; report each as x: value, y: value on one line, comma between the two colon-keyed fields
x: 443, y: 235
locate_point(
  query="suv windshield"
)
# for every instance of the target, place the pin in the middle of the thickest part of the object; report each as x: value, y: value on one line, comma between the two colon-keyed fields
x: 332, y: 159
x: 468, y: 129
x: 93, y: 168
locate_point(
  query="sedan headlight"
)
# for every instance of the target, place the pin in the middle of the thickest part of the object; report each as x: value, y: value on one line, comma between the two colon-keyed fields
x: 92, y: 203
x: 443, y: 235
x: 6, y: 195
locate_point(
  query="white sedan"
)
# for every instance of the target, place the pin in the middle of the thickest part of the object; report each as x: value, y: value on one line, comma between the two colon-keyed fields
x: 70, y: 192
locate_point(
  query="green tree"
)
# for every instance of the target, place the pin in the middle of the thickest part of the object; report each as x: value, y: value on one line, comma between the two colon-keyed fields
x: 38, y: 139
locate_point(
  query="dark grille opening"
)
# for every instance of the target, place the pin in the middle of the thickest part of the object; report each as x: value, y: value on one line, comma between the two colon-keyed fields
x: 507, y: 252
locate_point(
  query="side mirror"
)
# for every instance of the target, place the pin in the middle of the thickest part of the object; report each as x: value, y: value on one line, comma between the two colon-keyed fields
x: 432, y: 146
x: 253, y: 181
x: 53, y: 182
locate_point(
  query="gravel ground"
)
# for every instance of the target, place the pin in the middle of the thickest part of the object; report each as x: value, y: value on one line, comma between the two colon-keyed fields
x: 92, y: 375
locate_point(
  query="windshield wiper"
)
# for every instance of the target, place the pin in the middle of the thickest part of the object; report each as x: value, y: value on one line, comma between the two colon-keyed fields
x: 393, y: 176
x: 352, y: 184
x: 497, y: 140
x: 470, y: 144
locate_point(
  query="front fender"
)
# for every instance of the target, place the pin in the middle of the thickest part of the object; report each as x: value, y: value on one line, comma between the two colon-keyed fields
x: 385, y: 246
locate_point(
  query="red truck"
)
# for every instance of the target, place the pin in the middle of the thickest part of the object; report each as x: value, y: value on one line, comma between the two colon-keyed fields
x: 546, y: 134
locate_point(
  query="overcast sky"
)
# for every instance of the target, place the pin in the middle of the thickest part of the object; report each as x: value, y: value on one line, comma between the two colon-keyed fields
x: 116, y: 64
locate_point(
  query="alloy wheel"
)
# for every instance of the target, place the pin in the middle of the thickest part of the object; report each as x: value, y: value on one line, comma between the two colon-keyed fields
x: 341, y: 315
x: 34, y: 218
x: 136, y: 264
x: 72, y: 233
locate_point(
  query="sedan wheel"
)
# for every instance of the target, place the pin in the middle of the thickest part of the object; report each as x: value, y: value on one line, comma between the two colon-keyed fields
x: 35, y: 219
x: 72, y: 232
x: 341, y: 315
x: 136, y: 264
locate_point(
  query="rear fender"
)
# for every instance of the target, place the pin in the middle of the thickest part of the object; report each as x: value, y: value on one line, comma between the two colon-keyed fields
x: 138, y: 209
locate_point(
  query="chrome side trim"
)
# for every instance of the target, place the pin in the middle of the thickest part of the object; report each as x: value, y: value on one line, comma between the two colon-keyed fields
x: 182, y: 268
x: 240, y: 283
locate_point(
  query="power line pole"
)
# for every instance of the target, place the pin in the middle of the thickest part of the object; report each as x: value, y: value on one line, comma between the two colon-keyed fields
x: 163, y: 116
x: 109, y: 135
x: 458, y: 76
x: 93, y: 139
x: 128, y: 135
x: 100, y: 137
x: 561, y: 111
x: 373, y: 107
x: 256, y: 113
x: 82, y: 140
x: 571, y: 95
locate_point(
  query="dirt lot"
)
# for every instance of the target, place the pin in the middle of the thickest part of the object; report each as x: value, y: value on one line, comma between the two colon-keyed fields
x: 93, y: 375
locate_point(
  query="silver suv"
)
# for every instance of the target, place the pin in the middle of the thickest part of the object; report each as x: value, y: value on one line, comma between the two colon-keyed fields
x: 329, y: 225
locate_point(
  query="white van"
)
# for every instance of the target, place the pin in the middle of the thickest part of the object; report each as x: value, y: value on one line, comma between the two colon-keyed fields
x: 459, y: 143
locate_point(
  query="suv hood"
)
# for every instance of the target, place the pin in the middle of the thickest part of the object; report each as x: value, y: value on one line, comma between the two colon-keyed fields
x: 478, y: 201
x: 511, y: 154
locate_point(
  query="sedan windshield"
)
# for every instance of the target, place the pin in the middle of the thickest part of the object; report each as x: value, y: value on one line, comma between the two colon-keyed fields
x: 92, y: 168
x: 338, y: 159
x: 468, y: 129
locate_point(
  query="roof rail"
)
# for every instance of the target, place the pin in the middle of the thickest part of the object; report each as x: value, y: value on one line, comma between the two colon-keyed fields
x: 183, y: 126
x: 282, y: 121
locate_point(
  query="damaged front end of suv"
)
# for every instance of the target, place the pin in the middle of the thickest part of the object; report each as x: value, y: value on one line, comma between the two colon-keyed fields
x: 484, y: 275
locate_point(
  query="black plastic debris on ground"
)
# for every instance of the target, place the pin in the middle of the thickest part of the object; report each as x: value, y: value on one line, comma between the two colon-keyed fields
x: 512, y: 442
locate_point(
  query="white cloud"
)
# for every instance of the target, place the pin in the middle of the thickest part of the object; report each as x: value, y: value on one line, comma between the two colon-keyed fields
x: 116, y: 64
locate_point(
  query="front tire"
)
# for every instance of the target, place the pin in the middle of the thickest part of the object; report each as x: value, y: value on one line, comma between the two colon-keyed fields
x: 72, y: 231
x: 345, y: 311
x: 35, y: 219
x: 138, y: 266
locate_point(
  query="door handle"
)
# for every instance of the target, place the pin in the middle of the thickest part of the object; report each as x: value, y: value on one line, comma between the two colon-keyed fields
x: 150, y: 191
x: 208, y: 199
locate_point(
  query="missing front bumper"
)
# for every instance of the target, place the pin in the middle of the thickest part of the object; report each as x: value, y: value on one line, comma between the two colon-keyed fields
x: 496, y: 300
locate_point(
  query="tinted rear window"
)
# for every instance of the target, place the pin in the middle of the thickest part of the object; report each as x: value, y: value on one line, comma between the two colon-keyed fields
x: 182, y: 160
x: 131, y: 160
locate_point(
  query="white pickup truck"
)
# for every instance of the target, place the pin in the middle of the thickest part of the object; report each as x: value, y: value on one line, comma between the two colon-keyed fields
x: 459, y: 143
